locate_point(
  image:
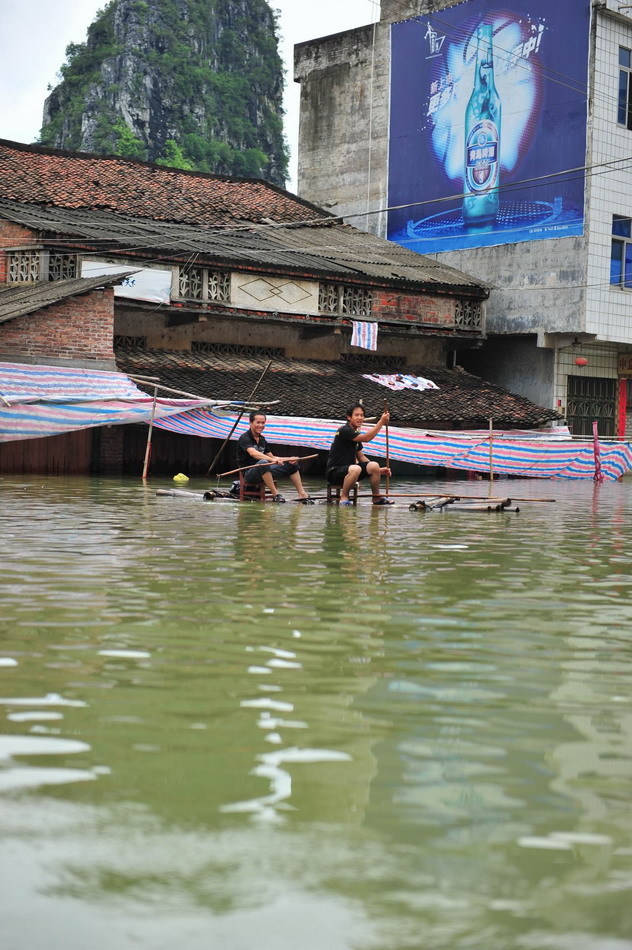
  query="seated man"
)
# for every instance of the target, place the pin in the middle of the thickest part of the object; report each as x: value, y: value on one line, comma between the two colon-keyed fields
x: 252, y: 448
x: 347, y: 463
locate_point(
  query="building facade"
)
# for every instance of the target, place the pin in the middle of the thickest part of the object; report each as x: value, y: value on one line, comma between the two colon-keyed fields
x: 386, y: 107
x: 197, y: 281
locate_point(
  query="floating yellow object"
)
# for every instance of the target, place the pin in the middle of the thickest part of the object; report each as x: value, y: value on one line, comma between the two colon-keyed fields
x: 180, y: 477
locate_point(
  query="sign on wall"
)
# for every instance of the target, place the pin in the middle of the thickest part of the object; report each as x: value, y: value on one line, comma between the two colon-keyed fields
x: 146, y: 283
x: 488, y: 124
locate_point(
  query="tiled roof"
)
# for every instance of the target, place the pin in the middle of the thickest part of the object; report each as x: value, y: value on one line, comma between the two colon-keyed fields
x: 324, y: 390
x: 20, y: 299
x: 74, y: 180
x: 333, y: 250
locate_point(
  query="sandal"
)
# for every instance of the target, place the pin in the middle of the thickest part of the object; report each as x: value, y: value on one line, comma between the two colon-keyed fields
x: 346, y: 504
x: 383, y: 500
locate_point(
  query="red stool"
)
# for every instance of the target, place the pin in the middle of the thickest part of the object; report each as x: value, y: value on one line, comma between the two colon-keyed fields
x: 251, y: 492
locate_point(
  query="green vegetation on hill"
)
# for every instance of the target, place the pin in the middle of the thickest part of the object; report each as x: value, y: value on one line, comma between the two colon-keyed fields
x: 189, y: 83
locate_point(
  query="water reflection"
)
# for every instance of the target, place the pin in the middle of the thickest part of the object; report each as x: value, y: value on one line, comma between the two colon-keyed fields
x: 299, y: 726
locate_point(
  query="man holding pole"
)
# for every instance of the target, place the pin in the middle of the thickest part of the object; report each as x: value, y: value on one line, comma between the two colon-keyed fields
x: 347, y: 463
x: 252, y: 449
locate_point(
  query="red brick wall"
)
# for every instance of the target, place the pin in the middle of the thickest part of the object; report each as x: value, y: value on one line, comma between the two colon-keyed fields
x: 413, y: 308
x: 13, y: 235
x: 77, y: 328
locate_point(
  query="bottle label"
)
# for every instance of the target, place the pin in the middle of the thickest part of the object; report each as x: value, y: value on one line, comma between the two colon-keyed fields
x: 481, y: 150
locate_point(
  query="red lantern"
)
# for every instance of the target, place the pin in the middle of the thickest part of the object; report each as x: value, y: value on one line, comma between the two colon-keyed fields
x: 581, y: 361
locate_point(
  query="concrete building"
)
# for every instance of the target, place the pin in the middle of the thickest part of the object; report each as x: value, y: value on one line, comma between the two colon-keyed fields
x: 559, y: 296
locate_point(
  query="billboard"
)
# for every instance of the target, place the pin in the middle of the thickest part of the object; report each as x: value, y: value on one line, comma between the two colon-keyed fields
x: 487, y: 139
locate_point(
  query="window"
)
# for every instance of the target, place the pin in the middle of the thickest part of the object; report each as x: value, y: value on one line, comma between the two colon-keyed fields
x: 200, y: 283
x: 26, y: 267
x: 624, y: 114
x: 344, y: 301
x: 621, y: 252
x: 62, y: 266
x: 468, y: 314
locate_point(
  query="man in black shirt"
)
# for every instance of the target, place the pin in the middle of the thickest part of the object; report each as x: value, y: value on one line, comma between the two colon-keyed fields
x: 252, y: 449
x: 347, y: 463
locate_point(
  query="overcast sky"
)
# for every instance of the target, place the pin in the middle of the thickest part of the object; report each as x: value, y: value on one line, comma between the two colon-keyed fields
x: 35, y: 34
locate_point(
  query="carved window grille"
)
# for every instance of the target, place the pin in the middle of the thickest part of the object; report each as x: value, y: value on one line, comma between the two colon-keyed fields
x: 24, y: 266
x: 62, y: 266
x: 235, y: 349
x: 200, y: 283
x: 468, y: 314
x: 27, y: 267
x: 342, y: 300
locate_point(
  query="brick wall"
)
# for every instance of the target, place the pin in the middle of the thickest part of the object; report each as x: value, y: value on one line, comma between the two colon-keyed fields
x: 413, y: 308
x: 77, y: 328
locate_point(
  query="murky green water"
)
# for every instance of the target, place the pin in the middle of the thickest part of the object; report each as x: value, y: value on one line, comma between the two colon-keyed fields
x: 265, y: 727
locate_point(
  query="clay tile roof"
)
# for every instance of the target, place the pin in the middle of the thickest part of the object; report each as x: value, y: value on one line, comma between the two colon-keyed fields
x: 46, y: 176
x: 317, y: 389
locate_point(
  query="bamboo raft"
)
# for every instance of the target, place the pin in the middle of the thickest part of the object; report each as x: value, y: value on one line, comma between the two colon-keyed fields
x: 423, y: 503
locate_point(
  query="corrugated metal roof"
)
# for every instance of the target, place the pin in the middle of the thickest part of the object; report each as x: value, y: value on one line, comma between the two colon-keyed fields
x: 20, y: 299
x: 335, y: 251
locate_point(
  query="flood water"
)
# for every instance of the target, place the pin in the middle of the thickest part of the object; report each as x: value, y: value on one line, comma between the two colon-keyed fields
x: 265, y: 727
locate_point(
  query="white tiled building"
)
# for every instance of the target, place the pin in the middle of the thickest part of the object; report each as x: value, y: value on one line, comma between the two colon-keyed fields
x: 554, y: 302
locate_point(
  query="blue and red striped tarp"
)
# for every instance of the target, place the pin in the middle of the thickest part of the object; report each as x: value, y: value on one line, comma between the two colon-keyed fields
x: 514, y: 454
x: 38, y: 401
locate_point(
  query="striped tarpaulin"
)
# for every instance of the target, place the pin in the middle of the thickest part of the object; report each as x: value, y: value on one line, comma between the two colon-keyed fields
x: 38, y: 401
x: 533, y: 458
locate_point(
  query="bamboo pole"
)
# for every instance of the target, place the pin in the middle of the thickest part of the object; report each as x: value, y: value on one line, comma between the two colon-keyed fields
x: 237, y: 421
x: 220, y: 403
x: 151, y: 426
x: 299, y: 458
x: 388, y: 461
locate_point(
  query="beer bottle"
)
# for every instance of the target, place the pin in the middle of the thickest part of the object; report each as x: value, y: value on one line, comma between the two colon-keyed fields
x: 482, y: 140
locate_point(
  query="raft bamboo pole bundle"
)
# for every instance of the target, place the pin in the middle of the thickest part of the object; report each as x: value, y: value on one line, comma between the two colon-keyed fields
x: 443, y: 495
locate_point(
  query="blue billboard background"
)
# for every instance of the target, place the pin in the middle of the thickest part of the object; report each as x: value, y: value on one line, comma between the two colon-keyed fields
x: 538, y: 139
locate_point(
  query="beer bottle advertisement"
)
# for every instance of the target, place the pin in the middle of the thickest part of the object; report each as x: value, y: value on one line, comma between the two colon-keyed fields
x: 485, y: 139
x: 482, y: 140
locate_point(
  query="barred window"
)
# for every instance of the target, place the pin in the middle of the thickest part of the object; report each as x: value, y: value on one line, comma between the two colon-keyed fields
x: 23, y: 266
x: 200, y: 283
x: 468, y: 314
x: 343, y: 300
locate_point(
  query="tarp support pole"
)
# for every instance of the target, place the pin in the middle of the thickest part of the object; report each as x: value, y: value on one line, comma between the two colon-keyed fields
x: 151, y: 426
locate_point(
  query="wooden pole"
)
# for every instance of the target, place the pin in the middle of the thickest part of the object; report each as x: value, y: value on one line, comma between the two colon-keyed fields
x: 300, y: 458
x: 491, y: 455
x: 227, y: 439
x: 151, y: 426
x: 388, y: 459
